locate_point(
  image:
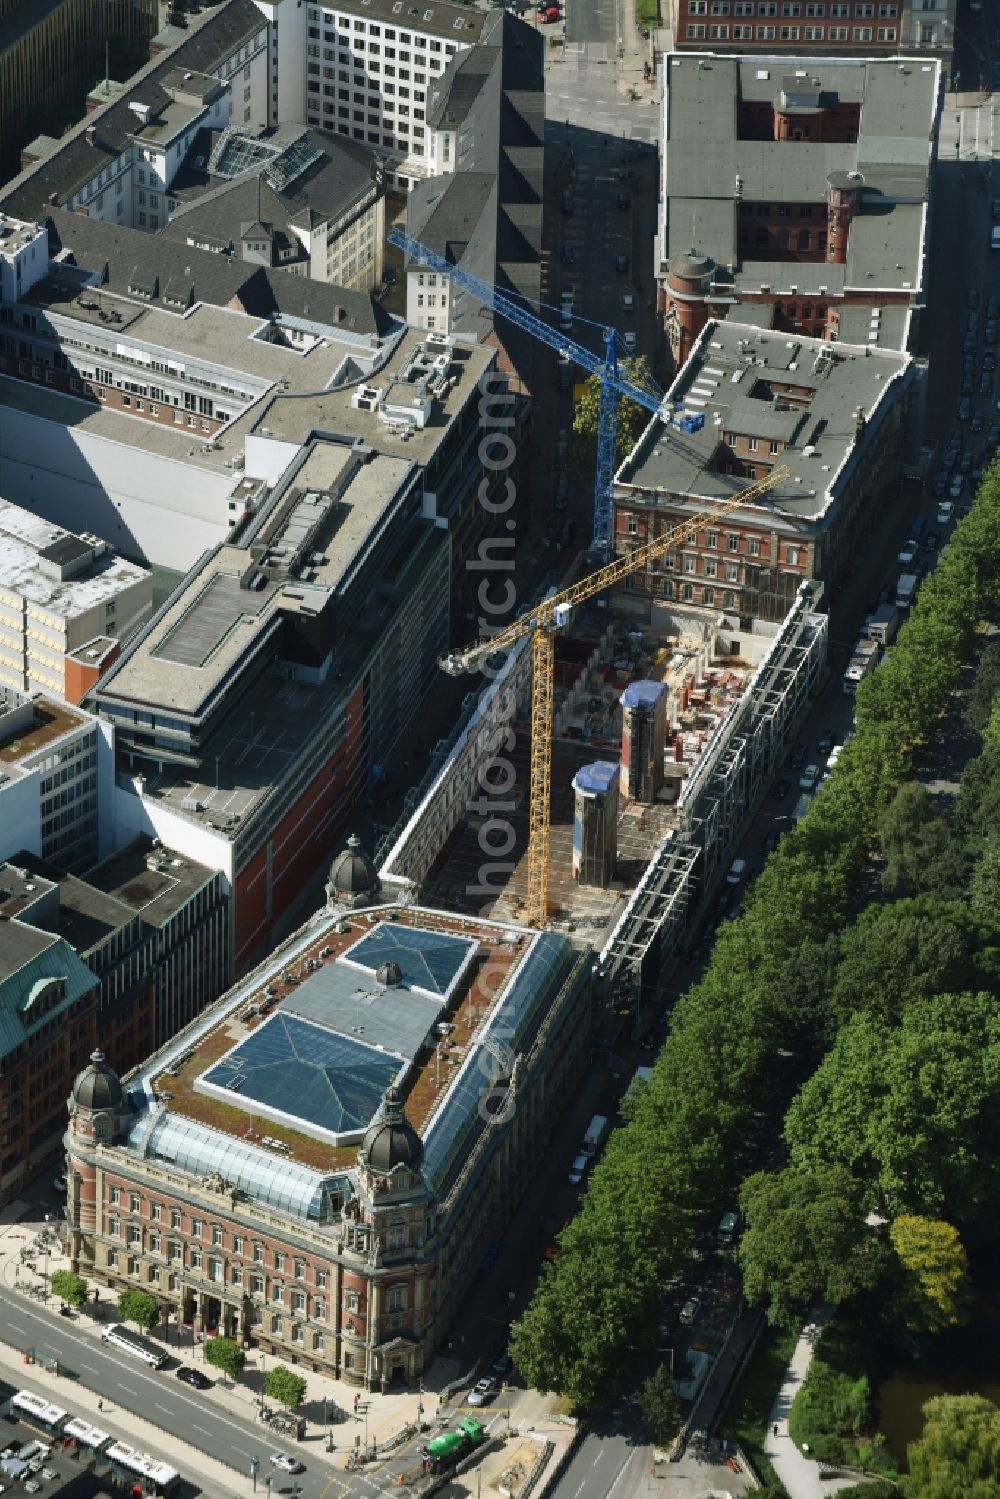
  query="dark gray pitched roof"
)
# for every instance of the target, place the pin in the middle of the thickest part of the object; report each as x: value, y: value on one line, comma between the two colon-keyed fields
x: 128, y: 256
x: 215, y: 209
x: 76, y: 161
x: 487, y: 215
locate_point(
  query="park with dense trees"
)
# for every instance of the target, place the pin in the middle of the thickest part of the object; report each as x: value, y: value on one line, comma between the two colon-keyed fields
x: 844, y: 1031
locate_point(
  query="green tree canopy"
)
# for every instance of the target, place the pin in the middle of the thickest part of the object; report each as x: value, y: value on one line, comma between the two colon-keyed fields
x: 139, y: 1307
x: 977, y: 806
x: 958, y: 1455
x: 984, y: 886
x: 912, y: 1111
x: 226, y: 1354
x: 896, y: 955
x: 660, y: 1406
x: 806, y: 1239
x: 632, y: 418
x: 917, y: 844
x: 285, y: 1386
x: 934, y: 1284
x: 985, y: 688
x: 69, y: 1287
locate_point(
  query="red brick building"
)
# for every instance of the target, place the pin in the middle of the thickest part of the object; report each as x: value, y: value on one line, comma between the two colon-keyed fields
x: 838, y: 27
x: 318, y: 1165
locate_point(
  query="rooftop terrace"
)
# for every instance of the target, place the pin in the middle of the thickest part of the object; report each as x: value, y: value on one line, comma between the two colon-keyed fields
x: 297, y: 1035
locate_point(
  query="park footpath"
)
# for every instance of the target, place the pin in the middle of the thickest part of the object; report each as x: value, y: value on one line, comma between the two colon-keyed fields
x: 527, y: 1422
x: 802, y: 1476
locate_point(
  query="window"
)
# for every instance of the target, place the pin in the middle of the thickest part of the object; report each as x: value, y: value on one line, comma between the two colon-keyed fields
x: 114, y: 1196
x: 298, y: 1333
x: 765, y: 34
x: 258, y: 1252
x: 299, y: 1302
x: 752, y: 444
x: 396, y: 1298
x: 712, y: 539
x: 279, y: 1260
x: 238, y: 1242
x: 753, y: 546
x: 773, y: 447
x: 277, y: 1291
x: 196, y: 1259
x: 687, y: 593
x: 133, y: 1265
x: 732, y: 572
x: 114, y: 1228
x: 710, y: 567
x: 257, y: 1285
x: 350, y: 1301
x: 319, y: 1309
x: 690, y: 562
x: 134, y: 1234
x: 632, y: 525
x: 734, y: 541
x: 299, y: 1270
x: 197, y: 1227
x: 792, y: 555
x: 320, y: 1278
x: 215, y: 1271
x: 174, y: 1250
x: 708, y: 596
x: 236, y: 1275
x: 217, y: 1235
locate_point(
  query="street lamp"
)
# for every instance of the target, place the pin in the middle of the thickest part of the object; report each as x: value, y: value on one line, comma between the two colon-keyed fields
x: 254, y: 1465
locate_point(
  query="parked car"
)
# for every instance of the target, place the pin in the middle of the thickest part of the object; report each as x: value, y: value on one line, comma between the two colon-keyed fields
x: 989, y: 360
x: 502, y: 1366
x: 770, y: 841
x: 737, y: 871
x: 969, y: 344
x: 964, y: 409
x: 965, y: 466
x: 940, y: 488
x: 978, y: 422
x: 957, y: 485
x: 945, y: 511
x: 547, y: 14
x: 689, y: 1311
x: 809, y: 778
x: 483, y: 1391
x: 931, y: 541
x: 194, y: 1378
x: 578, y: 1170
x: 566, y: 256
x: 825, y: 744
x: 781, y: 789
x: 799, y: 756
x: 285, y: 1463
x: 996, y: 220
x: 630, y: 340
x: 985, y: 383
x: 993, y: 305
x: 992, y: 331
x: 59, y: 1185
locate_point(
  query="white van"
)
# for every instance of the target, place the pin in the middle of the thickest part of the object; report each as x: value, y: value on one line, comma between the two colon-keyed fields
x: 737, y: 870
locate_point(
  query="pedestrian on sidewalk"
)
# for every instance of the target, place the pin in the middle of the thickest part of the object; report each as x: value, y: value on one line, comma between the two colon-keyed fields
x: 776, y: 1428
x: 100, y: 1405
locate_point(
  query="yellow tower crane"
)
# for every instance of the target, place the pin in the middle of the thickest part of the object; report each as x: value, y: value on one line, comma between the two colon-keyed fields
x: 541, y: 622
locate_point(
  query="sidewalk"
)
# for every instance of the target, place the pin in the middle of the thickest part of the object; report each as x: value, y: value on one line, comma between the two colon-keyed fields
x: 214, y: 1477
x: 385, y: 1416
x: 799, y: 1474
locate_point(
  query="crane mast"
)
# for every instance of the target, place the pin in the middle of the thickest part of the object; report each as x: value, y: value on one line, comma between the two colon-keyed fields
x: 541, y: 623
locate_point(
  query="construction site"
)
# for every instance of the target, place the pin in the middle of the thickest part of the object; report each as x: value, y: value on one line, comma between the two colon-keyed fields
x: 663, y: 737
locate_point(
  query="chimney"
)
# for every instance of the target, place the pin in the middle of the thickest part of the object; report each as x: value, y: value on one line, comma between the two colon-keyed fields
x: 91, y: 135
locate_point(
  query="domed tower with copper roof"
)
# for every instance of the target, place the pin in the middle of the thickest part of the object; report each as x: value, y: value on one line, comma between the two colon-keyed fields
x: 391, y: 1223
x: 99, y: 1114
x: 353, y: 878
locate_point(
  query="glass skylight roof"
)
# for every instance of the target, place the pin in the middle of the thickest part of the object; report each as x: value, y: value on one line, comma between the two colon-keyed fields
x: 237, y: 154
x: 429, y: 961
x: 314, y: 1196
x: 297, y: 1073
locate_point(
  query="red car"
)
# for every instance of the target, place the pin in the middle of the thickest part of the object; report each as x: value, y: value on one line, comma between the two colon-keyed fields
x: 548, y: 13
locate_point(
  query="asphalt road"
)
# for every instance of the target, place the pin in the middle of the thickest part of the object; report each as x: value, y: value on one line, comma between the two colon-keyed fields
x: 158, y: 1397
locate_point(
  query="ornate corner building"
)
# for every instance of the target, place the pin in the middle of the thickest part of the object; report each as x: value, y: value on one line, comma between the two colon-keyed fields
x: 318, y: 1165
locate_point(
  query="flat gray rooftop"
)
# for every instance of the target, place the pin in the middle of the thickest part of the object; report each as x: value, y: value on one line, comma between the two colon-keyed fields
x: 353, y: 1003
x: 704, y: 160
x: 154, y: 894
x: 722, y: 380
x: 213, y: 620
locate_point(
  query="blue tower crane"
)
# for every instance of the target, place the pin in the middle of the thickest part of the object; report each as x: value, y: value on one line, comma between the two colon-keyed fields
x: 613, y: 383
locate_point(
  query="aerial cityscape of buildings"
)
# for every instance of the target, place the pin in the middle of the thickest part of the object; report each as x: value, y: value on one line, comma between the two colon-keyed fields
x: 269, y: 925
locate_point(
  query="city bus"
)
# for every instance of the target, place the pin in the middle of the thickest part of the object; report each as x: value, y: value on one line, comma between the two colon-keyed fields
x: 37, y: 1412
x: 139, y: 1471
x: 135, y: 1345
